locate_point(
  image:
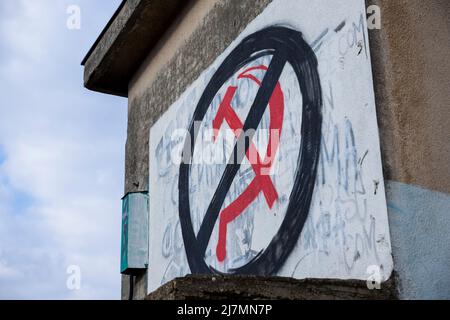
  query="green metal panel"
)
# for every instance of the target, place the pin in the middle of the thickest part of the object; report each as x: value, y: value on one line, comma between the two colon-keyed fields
x: 134, y: 247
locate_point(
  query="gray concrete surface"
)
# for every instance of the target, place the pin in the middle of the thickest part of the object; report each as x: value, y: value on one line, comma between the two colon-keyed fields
x: 269, y: 288
x: 132, y: 33
x: 419, y: 221
x: 411, y: 63
x: 209, y: 37
x: 410, y: 58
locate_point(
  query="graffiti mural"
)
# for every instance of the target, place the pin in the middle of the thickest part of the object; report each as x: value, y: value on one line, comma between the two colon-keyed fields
x: 269, y: 163
x: 283, y: 45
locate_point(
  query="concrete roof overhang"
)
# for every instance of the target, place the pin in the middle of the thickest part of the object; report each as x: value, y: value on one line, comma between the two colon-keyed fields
x: 133, y: 31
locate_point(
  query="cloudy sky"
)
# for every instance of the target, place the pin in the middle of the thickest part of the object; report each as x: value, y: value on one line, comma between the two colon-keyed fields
x: 61, y: 155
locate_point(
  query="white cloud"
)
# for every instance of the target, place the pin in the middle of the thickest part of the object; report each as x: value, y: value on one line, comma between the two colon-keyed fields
x: 62, y: 179
x: 26, y: 27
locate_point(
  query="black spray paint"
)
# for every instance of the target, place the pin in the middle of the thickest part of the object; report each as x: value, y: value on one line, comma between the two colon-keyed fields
x: 285, y: 46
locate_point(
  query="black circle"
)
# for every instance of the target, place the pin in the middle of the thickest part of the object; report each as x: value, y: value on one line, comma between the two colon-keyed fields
x: 290, y: 45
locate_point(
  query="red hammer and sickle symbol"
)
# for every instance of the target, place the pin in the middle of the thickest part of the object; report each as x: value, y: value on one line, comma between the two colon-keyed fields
x: 261, y: 182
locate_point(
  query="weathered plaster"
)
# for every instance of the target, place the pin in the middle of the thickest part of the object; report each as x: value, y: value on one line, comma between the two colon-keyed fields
x: 119, y: 51
x: 412, y: 79
x: 419, y: 220
x: 410, y: 59
x: 173, y: 41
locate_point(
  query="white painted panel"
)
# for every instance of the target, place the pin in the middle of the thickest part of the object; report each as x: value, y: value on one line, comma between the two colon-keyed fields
x: 346, y: 229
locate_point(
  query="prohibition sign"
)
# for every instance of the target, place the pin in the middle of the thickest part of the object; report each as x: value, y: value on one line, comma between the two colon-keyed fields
x: 262, y: 181
x: 285, y: 45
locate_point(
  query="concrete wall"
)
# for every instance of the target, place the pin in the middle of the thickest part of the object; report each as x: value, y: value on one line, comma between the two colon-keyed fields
x: 200, y: 34
x: 419, y: 220
x: 338, y: 228
x: 411, y: 73
x: 412, y: 78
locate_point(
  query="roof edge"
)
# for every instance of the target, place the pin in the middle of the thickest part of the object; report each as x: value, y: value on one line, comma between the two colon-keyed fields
x: 133, y: 31
x: 105, y: 29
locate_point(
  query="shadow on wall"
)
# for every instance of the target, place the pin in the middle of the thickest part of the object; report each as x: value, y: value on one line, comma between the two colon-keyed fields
x: 419, y: 220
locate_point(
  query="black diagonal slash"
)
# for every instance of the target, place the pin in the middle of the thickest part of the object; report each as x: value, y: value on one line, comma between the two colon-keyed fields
x: 251, y: 124
x: 286, y: 46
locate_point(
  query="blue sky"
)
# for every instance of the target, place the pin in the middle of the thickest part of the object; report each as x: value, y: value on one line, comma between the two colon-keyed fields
x: 61, y: 155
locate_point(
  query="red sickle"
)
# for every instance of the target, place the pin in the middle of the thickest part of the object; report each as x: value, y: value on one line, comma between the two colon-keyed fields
x: 262, y: 181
